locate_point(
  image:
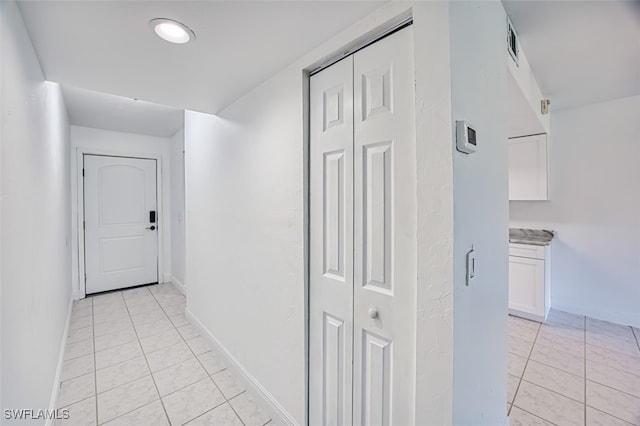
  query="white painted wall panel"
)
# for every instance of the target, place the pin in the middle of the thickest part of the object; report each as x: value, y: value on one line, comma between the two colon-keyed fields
x: 479, y: 93
x: 245, y: 197
x: 244, y: 233
x: 178, y: 250
x: 35, y: 196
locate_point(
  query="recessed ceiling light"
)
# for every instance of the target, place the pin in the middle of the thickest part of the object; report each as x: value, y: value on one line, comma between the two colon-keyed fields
x: 172, y: 31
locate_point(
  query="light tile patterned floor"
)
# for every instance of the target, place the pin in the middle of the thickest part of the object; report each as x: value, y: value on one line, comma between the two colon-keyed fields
x: 132, y: 358
x: 573, y: 370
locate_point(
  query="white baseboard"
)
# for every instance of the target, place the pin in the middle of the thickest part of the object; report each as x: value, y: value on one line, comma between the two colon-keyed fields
x: 278, y: 413
x: 622, y: 318
x: 177, y: 284
x: 53, y: 402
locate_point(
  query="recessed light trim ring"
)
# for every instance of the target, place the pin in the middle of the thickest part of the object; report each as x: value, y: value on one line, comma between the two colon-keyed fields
x: 171, y: 30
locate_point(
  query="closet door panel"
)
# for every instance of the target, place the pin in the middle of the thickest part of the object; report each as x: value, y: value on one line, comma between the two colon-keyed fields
x: 385, y: 232
x: 331, y: 245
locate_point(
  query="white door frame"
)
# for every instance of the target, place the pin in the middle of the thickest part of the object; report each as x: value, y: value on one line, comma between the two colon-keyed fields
x: 387, y: 27
x: 78, y: 191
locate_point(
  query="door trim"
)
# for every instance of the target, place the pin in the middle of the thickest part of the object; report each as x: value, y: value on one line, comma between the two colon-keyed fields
x: 392, y: 26
x: 77, y: 199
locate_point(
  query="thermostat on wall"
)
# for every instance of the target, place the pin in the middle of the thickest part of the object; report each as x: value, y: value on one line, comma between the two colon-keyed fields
x: 465, y: 137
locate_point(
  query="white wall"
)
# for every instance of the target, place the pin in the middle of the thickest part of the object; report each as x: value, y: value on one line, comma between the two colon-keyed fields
x: 594, y: 208
x: 177, y: 209
x: 35, y: 194
x: 106, y: 142
x: 479, y: 95
x: 434, y: 288
x: 529, y: 118
x: 246, y: 232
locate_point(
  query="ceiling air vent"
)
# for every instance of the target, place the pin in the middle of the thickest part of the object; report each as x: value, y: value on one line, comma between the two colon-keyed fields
x: 512, y: 41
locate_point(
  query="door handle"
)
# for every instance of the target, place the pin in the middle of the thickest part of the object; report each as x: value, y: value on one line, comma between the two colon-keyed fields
x: 373, y: 313
x: 152, y: 227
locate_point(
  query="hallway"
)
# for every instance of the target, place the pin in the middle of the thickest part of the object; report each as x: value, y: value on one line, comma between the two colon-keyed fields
x: 132, y: 358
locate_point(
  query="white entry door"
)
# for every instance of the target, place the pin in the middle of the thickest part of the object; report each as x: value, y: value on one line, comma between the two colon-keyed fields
x: 363, y: 237
x: 121, y: 222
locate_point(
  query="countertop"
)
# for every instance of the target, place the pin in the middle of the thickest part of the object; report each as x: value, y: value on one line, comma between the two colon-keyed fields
x: 536, y: 237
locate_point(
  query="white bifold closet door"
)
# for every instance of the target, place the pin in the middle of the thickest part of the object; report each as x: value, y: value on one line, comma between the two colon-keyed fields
x: 363, y: 237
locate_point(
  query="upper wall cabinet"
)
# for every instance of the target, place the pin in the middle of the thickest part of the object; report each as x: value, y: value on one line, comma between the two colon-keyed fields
x: 528, y: 172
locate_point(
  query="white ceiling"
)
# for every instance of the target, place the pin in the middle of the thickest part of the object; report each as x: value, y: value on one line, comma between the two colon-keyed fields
x: 581, y: 52
x: 101, y: 111
x: 107, y: 46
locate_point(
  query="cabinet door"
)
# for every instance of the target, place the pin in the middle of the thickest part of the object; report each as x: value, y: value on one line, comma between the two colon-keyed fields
x: 526, y: 285
x: 528, y: 168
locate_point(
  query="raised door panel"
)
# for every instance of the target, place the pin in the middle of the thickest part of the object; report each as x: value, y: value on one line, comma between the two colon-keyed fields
x: 528, y: 174
x: 334, y: 215
x: 378, y: 230
x: 121, y: 189
x: 331, y: 245
x: 526, y: 285
x: 376, y: 380
x: 385, y: 232
x: 333, y: 372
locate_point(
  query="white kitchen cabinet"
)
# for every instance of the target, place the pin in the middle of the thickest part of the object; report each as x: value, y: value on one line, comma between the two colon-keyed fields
x: 529, y: 281
x: 528, y: 168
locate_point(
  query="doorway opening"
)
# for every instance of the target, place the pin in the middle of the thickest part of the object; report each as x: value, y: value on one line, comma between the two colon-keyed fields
x: 120, y: 222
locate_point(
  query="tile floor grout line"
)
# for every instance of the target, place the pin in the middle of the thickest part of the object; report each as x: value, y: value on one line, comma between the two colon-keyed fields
x: 121, y: 385
x: 120, y: 362
x: 80, y: 356
x: 130, y: 411
x: 556, y: 368
x: 534, y: 415
x: 615, y: 389
x: 197, y: 359
x: 613, y: 350
x: 525, y: 368
x: 95, y: 362
x: 181, y: 362
x: 559, y: 349
x: 147, y: 362
x: 154, y: 298
x: 609, y: 414
x: 234, y: 410
x: 210, y: 376
x: 202, y: 365
x: 618, y: 368
x: 553, y: 391
x: 208, y: 411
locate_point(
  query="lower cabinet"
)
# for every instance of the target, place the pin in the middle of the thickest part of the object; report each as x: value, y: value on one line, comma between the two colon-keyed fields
x: 529, y: 281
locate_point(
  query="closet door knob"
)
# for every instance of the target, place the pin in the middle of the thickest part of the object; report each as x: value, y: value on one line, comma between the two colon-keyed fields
x: 373, y: 313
